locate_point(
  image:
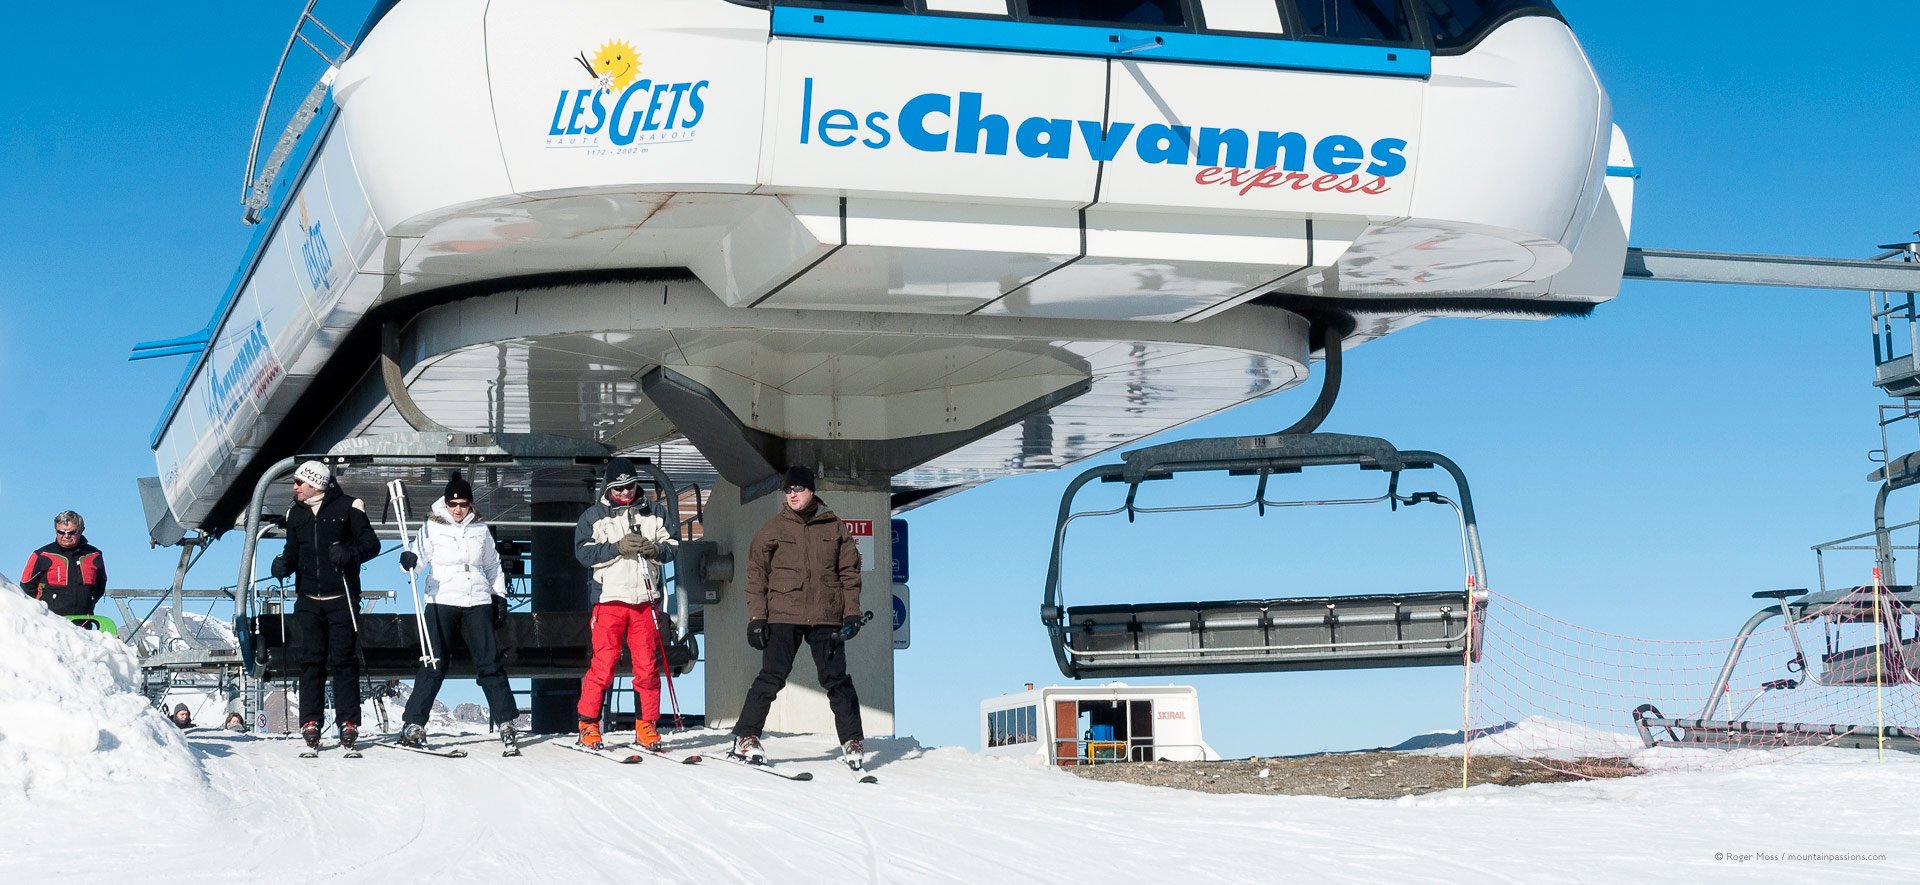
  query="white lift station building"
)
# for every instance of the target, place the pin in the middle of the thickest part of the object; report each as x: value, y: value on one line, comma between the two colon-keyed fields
x: 1090, y: 724
x: 916, y: 245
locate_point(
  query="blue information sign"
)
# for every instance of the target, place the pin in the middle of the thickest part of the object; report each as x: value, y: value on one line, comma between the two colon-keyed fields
x: 900, y: 551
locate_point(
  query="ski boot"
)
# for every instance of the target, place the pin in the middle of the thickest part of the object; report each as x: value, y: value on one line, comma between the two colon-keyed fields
x: 746, y: 748
x: 414, y: 736
x: 590, y: 735
x: 349, y: 733
x: 310, y: 733
x: 509, y: 739
x: 645, y: 737
x: 853, y: 754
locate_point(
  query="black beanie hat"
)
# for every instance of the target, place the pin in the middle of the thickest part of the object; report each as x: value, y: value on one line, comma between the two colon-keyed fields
x: 458, y: 488
x: 621, y: 472
x: 799, y: 475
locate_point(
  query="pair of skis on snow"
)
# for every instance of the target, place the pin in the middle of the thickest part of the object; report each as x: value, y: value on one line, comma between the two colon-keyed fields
x: 854, y: 767
x: 512, y: 748
x: 632, y: 754
x: 314, y: 752
x: 307, y: 752
x: 451, y: 753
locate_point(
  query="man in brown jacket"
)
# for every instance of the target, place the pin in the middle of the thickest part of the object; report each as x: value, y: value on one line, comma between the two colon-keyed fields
x: 803, y: 583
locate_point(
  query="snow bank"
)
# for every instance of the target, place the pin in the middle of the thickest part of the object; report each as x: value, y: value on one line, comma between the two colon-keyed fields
x: 71, y: 712
x: 1538, y: 737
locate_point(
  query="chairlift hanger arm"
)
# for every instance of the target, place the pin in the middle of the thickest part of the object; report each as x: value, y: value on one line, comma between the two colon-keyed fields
x: 1332, y: 335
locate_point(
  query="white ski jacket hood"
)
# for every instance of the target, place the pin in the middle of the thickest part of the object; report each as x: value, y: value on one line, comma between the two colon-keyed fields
x: 463, y: 568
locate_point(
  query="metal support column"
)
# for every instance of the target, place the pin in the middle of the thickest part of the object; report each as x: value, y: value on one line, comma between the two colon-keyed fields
x: 559, y: 585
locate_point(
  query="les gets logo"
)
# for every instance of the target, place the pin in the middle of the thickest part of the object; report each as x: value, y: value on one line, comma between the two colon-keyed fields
x: 620, y: 107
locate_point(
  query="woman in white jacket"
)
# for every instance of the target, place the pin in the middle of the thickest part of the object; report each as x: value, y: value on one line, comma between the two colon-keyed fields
x: 465, y: 592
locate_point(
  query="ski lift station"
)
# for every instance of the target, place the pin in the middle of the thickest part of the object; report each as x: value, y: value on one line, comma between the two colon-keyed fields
x: 915, y: 245
x: 1089, y: 724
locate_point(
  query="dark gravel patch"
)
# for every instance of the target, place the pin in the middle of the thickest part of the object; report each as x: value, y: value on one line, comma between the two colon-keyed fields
x: 1344, y: 775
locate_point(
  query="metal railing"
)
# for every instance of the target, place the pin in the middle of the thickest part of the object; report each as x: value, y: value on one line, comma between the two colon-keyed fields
x: 257, y: 189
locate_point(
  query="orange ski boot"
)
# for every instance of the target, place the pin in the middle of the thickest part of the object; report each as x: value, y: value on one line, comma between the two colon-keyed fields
x: 590, y: 735
x: 645, y: 737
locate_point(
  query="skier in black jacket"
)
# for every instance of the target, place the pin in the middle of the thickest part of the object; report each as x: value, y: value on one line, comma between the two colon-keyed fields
x: 328, y: 536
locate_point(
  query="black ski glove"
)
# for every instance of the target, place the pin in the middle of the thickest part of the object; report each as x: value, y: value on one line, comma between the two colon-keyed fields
x: 341, y: 555
x: 757, y: 634
x: 850, y: 626
x: 282, y: 569
x: 409, y: 560
x: 499, y: 612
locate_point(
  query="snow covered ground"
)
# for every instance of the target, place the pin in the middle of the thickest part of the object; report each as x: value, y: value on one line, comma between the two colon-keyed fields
x: 96, y: 787
x: 940, y: 815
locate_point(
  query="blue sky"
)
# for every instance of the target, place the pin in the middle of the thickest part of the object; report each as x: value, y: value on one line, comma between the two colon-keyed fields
x: 1640, y: 471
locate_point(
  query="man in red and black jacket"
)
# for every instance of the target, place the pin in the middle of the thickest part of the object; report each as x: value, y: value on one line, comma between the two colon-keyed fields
x: 69, y: 575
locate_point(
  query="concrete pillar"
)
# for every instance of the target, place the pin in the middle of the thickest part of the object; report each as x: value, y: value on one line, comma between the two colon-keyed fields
x: 731, y: 664
x: 559, y: 585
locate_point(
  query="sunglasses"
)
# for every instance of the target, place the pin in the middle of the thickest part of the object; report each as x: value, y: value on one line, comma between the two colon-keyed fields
x: 67, y: 534
x: 460, y: 504
x: 793, y: 489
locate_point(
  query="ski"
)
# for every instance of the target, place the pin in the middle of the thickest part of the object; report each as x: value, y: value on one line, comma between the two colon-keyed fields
x: 613, y: 755
x: 352, y: 753
x: 425, y: 751
x: 307, y: 752
x: 687, y: 759
x: 766, y: 767
x: 858, y: 771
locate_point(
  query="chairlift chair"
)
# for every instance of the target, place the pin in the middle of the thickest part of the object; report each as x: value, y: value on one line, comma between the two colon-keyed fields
x: 1892, y: 658
x: 1415, y: 629
x: 538, y: 645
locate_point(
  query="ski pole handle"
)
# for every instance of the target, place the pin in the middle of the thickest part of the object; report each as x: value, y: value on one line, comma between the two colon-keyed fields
x: 844, y: 633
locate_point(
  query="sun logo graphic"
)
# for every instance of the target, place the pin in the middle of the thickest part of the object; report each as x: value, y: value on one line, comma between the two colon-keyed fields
x: 614, y: 67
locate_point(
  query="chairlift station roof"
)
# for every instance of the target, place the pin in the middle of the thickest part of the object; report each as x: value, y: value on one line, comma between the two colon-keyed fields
x: 993, y: 257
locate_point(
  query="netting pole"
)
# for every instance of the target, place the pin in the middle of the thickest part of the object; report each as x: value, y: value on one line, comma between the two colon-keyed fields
x: 1466, y: 691
x: 1879, y: 671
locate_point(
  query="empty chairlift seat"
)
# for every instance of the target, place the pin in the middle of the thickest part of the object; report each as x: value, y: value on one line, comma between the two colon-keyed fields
x: 1414, y: 629
x: 1312, y: 633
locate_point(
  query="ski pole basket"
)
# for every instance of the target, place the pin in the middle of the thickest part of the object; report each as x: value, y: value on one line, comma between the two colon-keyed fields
x: 1413, y: 629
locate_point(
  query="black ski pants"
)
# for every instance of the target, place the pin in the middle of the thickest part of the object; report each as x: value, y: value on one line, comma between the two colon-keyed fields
x: 776, y: 662
x: 475, y: 624
x: 329, y: 645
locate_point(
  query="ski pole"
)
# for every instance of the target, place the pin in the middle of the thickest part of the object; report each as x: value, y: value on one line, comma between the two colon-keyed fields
x: 397, y: 492
x: 666, y: 668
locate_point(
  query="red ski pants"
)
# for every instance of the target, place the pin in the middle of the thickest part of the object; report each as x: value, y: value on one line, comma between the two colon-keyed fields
x: 615, y: 623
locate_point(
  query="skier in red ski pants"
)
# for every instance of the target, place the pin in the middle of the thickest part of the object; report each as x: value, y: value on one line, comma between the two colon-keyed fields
x: 624, y: 542
x: 616, y: 624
